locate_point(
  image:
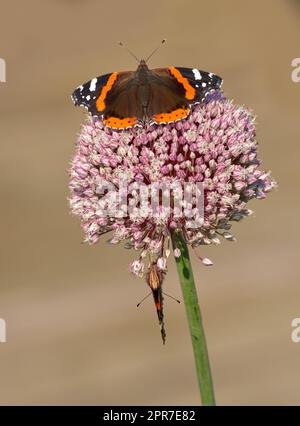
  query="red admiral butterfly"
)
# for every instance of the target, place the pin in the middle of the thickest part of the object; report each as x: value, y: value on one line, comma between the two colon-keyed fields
x: 129, y: 98
x: 154, y: 280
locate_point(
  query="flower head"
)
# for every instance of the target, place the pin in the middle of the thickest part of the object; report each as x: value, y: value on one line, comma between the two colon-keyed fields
x: 116, y: 176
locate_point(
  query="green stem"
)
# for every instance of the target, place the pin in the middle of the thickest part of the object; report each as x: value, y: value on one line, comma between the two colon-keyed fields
x: 189, y: 291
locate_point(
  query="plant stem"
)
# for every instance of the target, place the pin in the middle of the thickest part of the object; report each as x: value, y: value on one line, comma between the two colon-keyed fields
x: 189, y: 291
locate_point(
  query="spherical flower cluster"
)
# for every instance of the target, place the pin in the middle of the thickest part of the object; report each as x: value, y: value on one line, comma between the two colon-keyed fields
x: 214, y: 146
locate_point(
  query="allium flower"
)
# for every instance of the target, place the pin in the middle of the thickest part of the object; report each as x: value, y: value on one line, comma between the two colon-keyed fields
x: 177, y: 252
x: 215, y: 146
x: 181, y: 183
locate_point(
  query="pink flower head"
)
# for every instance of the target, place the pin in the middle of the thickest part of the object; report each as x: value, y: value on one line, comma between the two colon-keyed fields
x: 215, y: 147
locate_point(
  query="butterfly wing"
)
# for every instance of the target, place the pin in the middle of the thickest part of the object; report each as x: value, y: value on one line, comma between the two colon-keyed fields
x: 158, y: 301
x: 202, y: 81
x: 124, y: 106
x: 174, y: 89
x: 108, y: 96
x: 87, y: 94
x: 155, y: 280
x: 168, y: 102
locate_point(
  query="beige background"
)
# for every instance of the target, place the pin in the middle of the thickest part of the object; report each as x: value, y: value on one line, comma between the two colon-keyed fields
x: 74, y: 333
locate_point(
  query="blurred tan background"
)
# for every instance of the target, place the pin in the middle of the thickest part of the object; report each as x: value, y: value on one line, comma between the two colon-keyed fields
x: 74, y: 334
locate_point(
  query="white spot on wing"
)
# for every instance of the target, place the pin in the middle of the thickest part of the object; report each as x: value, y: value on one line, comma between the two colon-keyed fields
x: 88, y: 97
x: 93, y: 85
x: 197, y: 74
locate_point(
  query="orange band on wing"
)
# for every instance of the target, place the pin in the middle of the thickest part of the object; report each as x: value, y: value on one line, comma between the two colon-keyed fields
x: 190, y: 92
x: 100, y: 104
x: 177, y: 114
x: 120, y: 123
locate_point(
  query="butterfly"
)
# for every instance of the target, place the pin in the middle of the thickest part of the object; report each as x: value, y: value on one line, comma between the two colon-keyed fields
x: 154, y: 280
x: 132, y: 98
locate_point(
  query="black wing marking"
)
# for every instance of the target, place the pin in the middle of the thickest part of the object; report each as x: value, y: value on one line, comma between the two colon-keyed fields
x: 204, y: 82
x: 87, y: 94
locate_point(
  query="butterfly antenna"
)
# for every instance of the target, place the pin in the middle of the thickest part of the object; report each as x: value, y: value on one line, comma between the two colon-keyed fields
x: 144, y: 298
x: 171, y: 297
x: 129, y: 51
x: 155, y: 50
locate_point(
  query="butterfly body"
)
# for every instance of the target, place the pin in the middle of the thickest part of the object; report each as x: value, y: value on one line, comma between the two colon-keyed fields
x: 130, y: 98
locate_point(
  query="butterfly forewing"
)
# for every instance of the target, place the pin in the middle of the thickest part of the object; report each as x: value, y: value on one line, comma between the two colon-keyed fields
x: 87, y: 94
x: 202, y: 81
x: 96, y: 94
